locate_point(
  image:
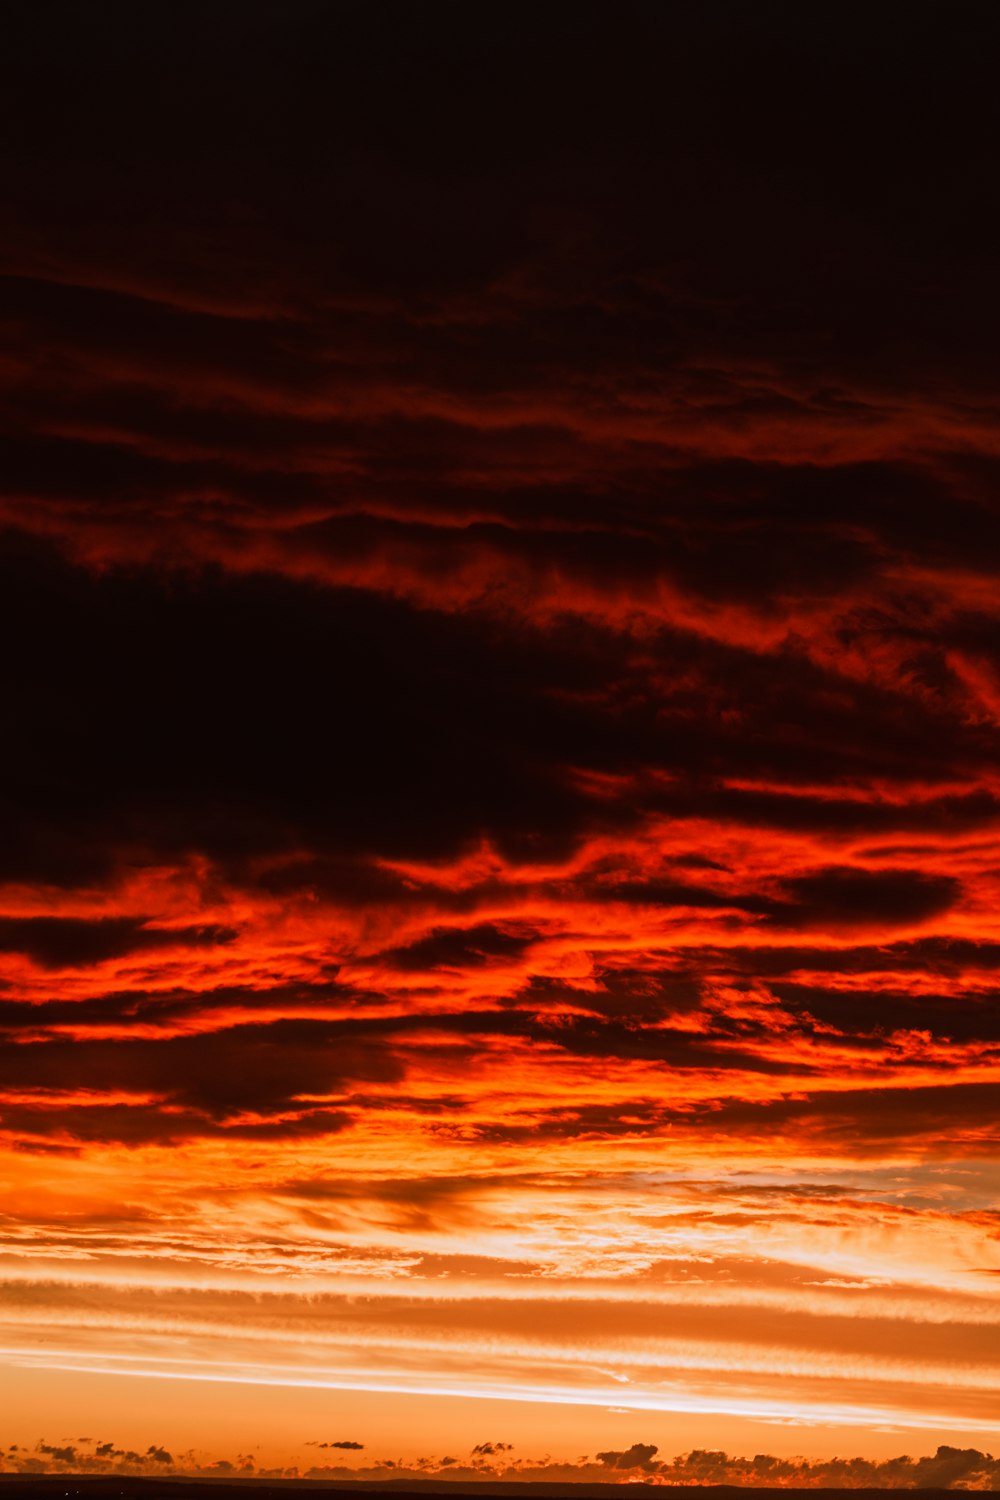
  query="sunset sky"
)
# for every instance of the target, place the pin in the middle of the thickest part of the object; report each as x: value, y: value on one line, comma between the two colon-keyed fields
x: 500, y: 880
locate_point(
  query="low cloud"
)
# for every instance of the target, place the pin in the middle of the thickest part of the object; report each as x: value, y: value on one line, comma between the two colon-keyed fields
x: 85, y: 1457
x: 639, y: 1456
x: 946, y: 1468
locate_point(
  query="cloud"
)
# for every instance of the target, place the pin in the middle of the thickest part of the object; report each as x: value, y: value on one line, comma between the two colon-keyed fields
x: 505, y: 693
x: 66, y: 1455
x: 64, y: 942
x: 106, y: 1458
x: 640, y: 1456
x: 244, y: 1078
x: 458, y: 947
x: 872, y: 898
x: 948, y: 1467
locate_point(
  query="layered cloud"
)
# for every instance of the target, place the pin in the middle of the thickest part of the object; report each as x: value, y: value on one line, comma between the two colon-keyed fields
x: 502, y: 716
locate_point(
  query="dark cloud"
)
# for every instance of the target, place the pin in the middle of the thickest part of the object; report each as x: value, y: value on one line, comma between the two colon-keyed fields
x: 461, y: 947
x: 867, y: 1119
x: 944, y: 955
x: 857, y: 1011
x: 222, y: 1072
x: 948, y: 1467
x: 106, y: 1457
x: 871, y: 898
x: 65, y: 1455
x: 623, y: 993
x: 260, y: 717
x: 215, y: 1078
x: 60, y: 942
x: 639, y: 1456
x: 616, y: 152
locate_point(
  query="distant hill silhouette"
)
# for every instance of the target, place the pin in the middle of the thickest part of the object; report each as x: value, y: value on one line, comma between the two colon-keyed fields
x: 112, y: 1487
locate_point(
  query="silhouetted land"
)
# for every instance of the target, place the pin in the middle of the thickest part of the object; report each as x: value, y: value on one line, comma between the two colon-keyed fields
x: 108, y: 1487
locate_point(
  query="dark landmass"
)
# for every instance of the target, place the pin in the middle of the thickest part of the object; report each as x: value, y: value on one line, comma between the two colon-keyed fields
x: 113, y: 1487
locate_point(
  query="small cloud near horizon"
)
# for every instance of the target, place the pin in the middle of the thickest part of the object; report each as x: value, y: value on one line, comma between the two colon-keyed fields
x: 948, y: 1467
x: 341, y: 1443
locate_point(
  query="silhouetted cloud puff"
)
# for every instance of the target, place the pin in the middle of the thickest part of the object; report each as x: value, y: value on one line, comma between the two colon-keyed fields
x: 639, y: 1456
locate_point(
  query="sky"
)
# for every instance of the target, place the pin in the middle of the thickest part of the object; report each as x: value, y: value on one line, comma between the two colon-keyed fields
x: 501, y: 691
